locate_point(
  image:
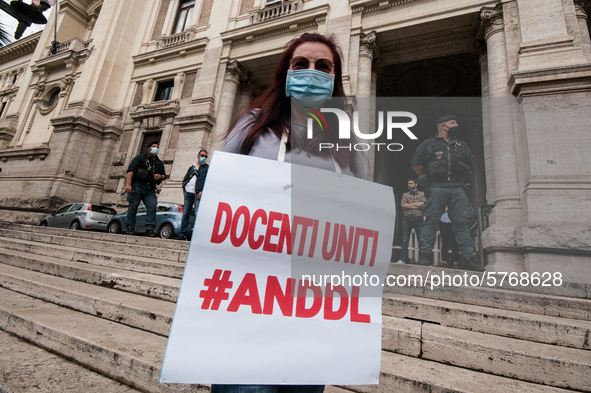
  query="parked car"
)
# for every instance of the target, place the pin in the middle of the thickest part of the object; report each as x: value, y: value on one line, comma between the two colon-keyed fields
x: 80, y: 216
x: 168, y: 220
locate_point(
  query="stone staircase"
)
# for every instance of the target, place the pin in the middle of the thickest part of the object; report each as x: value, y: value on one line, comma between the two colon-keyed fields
x: 107, y: 301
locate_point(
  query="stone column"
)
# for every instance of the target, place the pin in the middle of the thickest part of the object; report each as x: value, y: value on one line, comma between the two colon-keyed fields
x: 365, y: 73
x: 234, y: 74
x: 486, y: 137
x: 506, y: 215
x: 584, y: 29
x: 506, y: 197
x: 367, y: 46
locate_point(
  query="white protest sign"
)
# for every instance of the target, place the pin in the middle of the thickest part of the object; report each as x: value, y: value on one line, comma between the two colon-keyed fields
x: 247, y: 313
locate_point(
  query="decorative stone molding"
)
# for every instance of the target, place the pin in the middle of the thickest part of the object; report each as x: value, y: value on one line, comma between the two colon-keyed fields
x: 20, y: 47
x: 491, y: 21
x: 367, y: 6
x: 368, y: 45
x: 66, y: 84
x: 258, y: 15
x: 288, y: 23
x: 580, y: 8
x: 93, y: 12
x: 559, y: 80
x: 169, y: 48
x: 151, y: 116
x: 235, y: 72
x: 29, y: 153
x: 7, y: 79
x: 70, y: 53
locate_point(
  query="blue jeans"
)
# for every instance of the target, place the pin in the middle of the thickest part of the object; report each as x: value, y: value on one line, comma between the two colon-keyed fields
x: 187, y: 207
x: 141, y: 192
x: 459, y: 211
x: 267, y: 388
x: 406, y: 231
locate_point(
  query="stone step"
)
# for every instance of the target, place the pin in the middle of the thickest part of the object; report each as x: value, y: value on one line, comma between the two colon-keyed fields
x: 566, y: 289
x: 533, y: 303
x: 507, y: 357
x: 405, y: 374
x: 101, y: 236
x: 563, y: 332
x: 105, y: 258
x: 128, y: 355
x: 138, y: 311
x: 159, y: 287
x: 170, y: 250
x: 134, y: 356
x: 29, y: 369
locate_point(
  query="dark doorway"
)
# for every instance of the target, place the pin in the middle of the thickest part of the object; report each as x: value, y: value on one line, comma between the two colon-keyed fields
x: 453, y: 86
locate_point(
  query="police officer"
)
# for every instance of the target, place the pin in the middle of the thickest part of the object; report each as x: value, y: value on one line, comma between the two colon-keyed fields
x: 143, y: 174
x: 446, y: 161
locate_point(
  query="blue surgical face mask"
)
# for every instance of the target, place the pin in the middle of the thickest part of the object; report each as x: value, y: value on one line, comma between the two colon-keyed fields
x: 413, y: 191
x: 154, y: 150
x: 202, y: 159
x: 309, y: 87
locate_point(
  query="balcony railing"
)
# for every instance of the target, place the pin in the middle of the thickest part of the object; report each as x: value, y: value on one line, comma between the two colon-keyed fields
x: 175, y: 39
x: 74, y: 44
x: 277, y: 11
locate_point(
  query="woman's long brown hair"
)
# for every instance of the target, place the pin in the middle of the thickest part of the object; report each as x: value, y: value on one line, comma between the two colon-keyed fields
x: 275, y: 106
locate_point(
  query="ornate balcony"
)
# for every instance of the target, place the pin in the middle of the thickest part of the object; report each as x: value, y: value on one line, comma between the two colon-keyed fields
x: 175, y: 39
x: 74, y: 44
x: 277, y: 11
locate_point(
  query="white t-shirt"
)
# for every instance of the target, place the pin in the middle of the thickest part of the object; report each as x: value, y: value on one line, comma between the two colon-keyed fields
x: 190, y: 187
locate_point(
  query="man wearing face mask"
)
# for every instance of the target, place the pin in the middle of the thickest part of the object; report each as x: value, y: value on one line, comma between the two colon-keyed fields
x: 447, y: 162
x: 193, y: 189
x: 144, y: 173
x: 412, y: 202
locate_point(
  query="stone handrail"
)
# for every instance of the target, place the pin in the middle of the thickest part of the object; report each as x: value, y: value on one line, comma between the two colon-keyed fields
x: 74, y: 44
x: 175, y: 39
x: 267, y: 13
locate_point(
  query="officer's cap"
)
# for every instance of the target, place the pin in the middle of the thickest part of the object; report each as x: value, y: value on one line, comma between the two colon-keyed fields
x: 446, y: 118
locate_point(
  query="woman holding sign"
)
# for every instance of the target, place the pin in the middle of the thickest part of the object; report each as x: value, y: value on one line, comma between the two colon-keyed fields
x: 275, y: 124
x: 275, y: 127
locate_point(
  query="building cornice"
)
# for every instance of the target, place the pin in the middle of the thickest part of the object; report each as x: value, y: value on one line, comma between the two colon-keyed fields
x: 20, y: 47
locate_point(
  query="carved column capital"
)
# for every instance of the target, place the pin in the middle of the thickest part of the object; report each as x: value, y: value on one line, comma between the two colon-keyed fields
x: 368, y: 45
x: 580, y: 8
x: 491, y: 21
x: 235, y: 72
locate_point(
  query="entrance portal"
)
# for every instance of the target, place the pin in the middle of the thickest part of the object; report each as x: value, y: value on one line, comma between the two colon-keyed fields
x: 454, y: 87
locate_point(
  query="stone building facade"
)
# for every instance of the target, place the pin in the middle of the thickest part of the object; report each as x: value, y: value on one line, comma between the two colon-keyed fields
x: 129, y: 71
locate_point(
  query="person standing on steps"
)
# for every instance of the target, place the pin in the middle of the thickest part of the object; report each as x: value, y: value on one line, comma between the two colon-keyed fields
x: 143, y: 174
x: 446, y: 161
x: 193, y: 183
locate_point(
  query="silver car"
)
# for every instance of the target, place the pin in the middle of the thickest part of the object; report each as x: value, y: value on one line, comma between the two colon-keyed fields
x: 80, y: 216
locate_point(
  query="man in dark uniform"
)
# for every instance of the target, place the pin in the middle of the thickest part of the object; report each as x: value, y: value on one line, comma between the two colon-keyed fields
x: 447, y: 162
x: 144, y: 173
